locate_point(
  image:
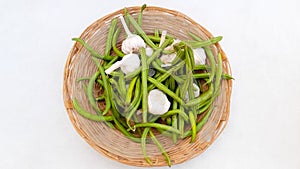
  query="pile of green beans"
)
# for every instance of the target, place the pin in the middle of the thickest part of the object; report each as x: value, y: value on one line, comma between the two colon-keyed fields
x: 125, y: 95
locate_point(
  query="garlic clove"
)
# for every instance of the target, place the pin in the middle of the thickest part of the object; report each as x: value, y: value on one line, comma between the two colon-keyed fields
x: 158, y: 102
x: 196, y: 90
x: 149, y: 51
x: 167, y: 59
x: 199, y: 56
x: 130, y: 63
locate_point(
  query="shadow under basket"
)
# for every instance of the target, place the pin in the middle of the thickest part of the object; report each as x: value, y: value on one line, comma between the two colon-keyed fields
x: 111, y: 142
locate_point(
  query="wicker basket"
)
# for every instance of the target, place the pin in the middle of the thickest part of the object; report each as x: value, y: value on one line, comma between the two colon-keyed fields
x: 111, y: 142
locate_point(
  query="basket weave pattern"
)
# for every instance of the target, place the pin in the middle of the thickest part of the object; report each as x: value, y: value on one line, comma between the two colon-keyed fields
x: 111, y: 142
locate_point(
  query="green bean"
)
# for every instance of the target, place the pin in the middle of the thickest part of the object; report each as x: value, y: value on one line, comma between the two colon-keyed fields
x: 174, y: 125
x: 175, y: 111
x: 105, y: 85
x: 114, y: 83
x: 100, y: 82
x: 156, y: 33
x: 160, y: 147
x: 140, y: 15
x: 203, y: 97
x: 205, y: 43
x: 195, y: 37
x: 132, y: 112
x: 140, y: 31
x: 165, y: 133
x: 114, y: 42
x: 130, y: 90
x: 143, y: 143
x: 93, y: 52
x: 181, y: 122
x: 227, y: 76
x: 202, y: 67
x: 88, y: 115
x: 110, y: 36
x: 159, y: 126
x: 167, y: 74
x: 137, y: 95
x: 144, y: 84
x: 212, y: 64
x: 122, y: 84
x: 82, y: 79
x: 166, y: 90
x: 99, y: 98
x: 125, y: 132
x: 199, y: 124
x: 193, y: 124
x: 201, y: 75
x: 157, y: 67
x: 169, y: 121
x: 190, y: 53
x: 84, y: 88
x: 111, y: 62
x: 90, y: 96
x: 218, y: 72
x: 155, y: 39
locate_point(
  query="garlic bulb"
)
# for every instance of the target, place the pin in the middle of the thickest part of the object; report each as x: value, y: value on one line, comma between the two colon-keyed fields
x: 133, y: 42
x: 128, y: 64
x: 158, y: 102
x: 196, y: 90
x: 199, y: 56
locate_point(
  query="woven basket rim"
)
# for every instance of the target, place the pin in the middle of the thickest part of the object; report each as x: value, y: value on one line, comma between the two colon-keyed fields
x: 67, y: 94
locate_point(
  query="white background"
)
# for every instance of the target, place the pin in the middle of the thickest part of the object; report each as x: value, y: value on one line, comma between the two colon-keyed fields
x: 261, y: 39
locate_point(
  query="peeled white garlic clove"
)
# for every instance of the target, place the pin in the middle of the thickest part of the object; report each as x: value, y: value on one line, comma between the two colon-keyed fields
x: 199, y: 56
x: 149, y: 51
x: 167, y: 59
x: 196, y: 90
x: 133, y: 42
x: 130, y: 63
x: 158, y: 102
